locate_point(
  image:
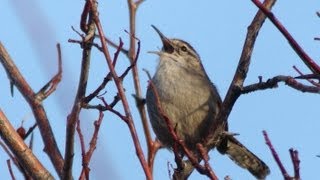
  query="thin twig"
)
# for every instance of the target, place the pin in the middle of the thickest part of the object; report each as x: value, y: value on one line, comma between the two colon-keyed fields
x: 275, y: 156
x: 92, y: 147
x: 10, y: 170
x: 296, y: 163
x: 108, y: 77
x: 51, y: 86
x: 303, y: 76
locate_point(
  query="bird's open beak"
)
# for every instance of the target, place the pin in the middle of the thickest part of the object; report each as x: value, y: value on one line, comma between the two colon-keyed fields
x: 167, y: 45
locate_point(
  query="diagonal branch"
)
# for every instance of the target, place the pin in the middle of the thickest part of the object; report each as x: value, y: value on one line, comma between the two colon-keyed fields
x: 17, y: 146
x: 35, y: 104
x: 309, y: 62
x: 236, y: 85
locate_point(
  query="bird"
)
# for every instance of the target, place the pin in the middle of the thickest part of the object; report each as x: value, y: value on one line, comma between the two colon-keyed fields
x: 191, y: 102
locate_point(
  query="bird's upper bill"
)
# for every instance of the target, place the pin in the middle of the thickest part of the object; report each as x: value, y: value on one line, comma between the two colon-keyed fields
x: 167, y: 45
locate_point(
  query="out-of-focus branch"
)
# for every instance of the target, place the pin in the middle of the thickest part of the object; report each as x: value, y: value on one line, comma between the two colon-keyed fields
x: 273, y: 83
x: 309, y: 62
x: 120, y: 89
x: 10, y: 170
x: 5, y: 148
x: 25, y: 156
x: 35, y: 103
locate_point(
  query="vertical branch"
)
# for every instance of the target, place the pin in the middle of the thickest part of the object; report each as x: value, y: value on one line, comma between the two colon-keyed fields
x: 120, y: 89
x: 133, y: 6
x: 82, y: 86
x: 275, y: 156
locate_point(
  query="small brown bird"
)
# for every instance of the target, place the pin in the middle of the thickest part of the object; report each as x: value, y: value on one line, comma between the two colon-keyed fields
x: 191, y: 102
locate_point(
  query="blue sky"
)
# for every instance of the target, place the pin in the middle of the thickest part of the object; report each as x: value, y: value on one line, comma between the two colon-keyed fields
x: 215, y: 29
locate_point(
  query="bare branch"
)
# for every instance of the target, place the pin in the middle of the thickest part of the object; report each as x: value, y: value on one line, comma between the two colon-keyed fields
x: 51, y: 86
x: 29, y: 162
x: 294, y: 158
x: 273, y: 83
x: 240, y: 75
x: 122, y: 95
x: 35, y: 104
x: 89, y: 28
x: 308, y: 77
x: 308, y: 61
x: 10, y: 170
x: 133, y: 6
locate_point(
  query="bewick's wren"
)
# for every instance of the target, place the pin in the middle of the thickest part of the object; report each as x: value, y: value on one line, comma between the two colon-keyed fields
x: 191, y: 102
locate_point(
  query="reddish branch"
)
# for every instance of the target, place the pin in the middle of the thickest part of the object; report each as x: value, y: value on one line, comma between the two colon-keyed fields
x: 108, y: 77
x: 309, y: 62
x: 308, y: 77
x: 35, y: 102
x: 294, y: 158
x: 121, y: 93
x: 86, y: 156
x: 191, y: 156
x: 296, y: 163
x: 81, y: 91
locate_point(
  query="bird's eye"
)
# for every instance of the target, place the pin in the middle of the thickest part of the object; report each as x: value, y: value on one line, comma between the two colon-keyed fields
x: 183, y: 48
